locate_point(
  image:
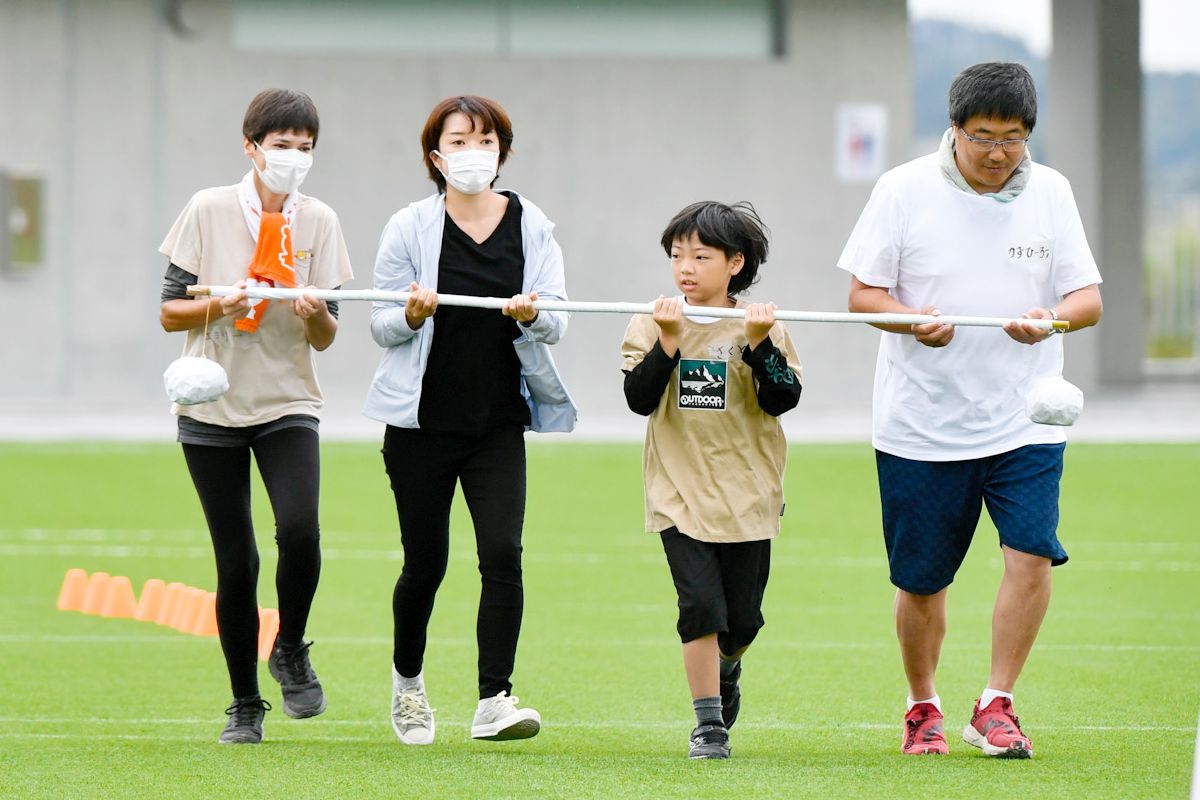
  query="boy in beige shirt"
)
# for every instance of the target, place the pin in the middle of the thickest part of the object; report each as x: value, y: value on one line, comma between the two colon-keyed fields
x: 715, y: 452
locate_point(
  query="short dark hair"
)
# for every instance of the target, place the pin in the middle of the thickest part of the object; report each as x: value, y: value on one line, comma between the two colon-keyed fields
x: 490, y: 115
x: 278, y: 110
x: 999, y: 89
x: 733, y: 228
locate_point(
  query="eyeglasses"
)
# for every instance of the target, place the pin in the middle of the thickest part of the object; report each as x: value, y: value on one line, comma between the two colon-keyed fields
x: 988, y: 145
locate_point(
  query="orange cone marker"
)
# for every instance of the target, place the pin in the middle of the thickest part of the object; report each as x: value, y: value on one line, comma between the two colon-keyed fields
x: 153, y: 593
x: 97, y: 591
x: 206, y: 623
x: 170, y: 603
x: 119, y: 601
x: 268, y: 629
x: 74, y: 587
x: 189, y: 609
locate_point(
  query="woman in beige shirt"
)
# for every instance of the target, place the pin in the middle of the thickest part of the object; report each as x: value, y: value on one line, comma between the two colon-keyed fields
x: 260, y: 229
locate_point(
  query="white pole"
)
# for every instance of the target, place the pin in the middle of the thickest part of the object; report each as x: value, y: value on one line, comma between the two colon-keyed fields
x: 470, y: 301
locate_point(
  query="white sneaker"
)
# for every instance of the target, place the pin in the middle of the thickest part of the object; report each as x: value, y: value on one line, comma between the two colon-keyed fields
x: 412, y: 718
x: 499, y: 719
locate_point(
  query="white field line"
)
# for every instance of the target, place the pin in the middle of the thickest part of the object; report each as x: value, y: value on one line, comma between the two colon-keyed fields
x: 200, y: 535
x: 384, y: 725
x: 171, y: 552
x: 140, y: 543
x: 157, y: 738
x: 376, y: 641
x: 32, y: 550
x: 196, y: 536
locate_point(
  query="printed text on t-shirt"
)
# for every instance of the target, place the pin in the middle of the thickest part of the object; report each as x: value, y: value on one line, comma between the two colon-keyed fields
x: 702, y: 383
x: 1039, y: 251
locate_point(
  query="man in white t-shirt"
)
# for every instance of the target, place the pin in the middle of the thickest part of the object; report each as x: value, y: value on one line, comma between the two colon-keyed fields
x: 976, y: 228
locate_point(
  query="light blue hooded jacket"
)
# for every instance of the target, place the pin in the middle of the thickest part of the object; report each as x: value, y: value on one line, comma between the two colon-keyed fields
x: 409, y: 250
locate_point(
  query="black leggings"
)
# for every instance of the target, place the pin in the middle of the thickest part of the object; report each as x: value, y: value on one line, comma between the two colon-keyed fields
x: 424, y: 468
x: 289, y: 462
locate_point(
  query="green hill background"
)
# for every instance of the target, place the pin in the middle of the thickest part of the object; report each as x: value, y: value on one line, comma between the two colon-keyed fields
x: 1171, y: 102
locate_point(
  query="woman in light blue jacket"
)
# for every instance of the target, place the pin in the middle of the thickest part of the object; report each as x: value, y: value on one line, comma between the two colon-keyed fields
x: 457, y: 388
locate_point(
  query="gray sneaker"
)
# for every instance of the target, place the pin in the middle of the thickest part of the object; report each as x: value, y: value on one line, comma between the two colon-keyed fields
x: 302, y: 695
x: 709, y: 741
x: 412, y: 718
x: 498, y: 719
x: 245, y: 725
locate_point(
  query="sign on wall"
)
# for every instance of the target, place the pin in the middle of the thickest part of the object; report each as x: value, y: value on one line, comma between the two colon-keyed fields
x: 21, y: 223
x: 861, y: 142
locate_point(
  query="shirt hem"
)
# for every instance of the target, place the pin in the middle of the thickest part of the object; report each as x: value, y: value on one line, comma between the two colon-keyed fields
x: 306, y: 410
x: 662, y: 524
x: 947, y: 453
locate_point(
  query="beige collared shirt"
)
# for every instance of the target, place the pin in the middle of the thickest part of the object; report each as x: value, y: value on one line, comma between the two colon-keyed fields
x: 271, y: 372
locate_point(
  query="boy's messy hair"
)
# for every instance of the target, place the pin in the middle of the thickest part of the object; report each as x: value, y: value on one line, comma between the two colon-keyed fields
x: 733, y: 228
x: 280, y: 110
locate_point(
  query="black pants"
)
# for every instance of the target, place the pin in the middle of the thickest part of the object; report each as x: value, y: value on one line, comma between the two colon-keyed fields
x: 289, y: 462
x: 424, y: 468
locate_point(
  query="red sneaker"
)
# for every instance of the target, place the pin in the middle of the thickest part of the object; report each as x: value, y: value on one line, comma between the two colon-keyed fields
x: 997, y: 732
x: 923, y: 732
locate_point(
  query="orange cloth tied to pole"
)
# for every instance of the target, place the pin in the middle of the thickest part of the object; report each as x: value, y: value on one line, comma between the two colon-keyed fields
x: 274, y: 264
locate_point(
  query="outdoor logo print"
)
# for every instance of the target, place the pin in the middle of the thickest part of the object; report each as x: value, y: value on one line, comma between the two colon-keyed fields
x: 702, y: 383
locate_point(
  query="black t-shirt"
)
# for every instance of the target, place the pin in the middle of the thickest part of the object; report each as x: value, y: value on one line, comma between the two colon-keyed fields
x: 472, y: 381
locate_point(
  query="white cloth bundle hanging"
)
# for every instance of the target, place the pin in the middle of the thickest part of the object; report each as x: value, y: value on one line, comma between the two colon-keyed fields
x: 192, y: 380
x: 1054, y: 401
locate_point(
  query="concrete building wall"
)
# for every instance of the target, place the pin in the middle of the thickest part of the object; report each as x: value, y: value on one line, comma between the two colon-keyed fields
x: 125, y: 119
x: 1095, y: 77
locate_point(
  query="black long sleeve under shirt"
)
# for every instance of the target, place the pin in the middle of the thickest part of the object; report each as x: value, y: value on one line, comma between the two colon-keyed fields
x: 777, y: 386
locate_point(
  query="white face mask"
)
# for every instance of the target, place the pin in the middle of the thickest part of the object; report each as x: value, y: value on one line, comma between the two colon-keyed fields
x: 470, y: 171
x: 286, y: 169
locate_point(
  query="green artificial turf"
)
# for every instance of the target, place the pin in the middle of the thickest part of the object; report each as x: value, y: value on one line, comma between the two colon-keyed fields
x: 115, y: 708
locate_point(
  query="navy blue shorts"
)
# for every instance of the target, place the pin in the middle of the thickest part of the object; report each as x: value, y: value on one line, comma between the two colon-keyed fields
x: 931, y: 510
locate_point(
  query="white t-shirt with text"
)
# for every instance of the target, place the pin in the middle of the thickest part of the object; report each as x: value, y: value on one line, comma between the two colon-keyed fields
x: 930, y: 243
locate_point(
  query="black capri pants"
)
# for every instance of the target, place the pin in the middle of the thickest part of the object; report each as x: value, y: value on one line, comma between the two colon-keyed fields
x: 720, y: 587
